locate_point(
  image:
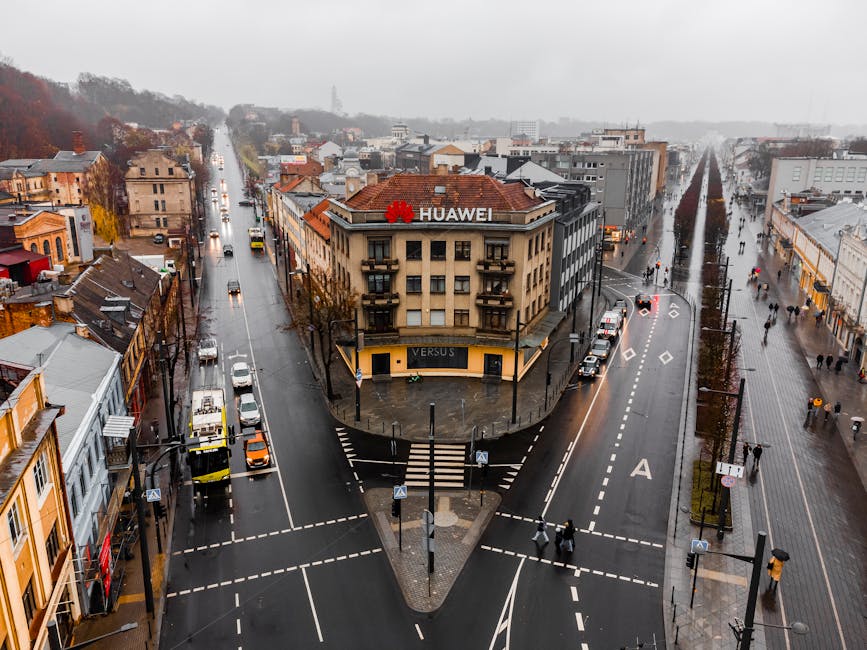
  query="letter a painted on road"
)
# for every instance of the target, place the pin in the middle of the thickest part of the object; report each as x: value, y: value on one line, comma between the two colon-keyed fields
x: 642, y: 469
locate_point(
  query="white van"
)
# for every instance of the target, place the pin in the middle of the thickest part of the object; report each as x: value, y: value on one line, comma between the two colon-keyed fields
x: 609, y: 325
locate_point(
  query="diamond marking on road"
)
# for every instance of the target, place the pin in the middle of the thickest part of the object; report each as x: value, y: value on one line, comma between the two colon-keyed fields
x: 644, y: 311
x: 627, y: 354
x: 665, y: 357
x: 673, y: 313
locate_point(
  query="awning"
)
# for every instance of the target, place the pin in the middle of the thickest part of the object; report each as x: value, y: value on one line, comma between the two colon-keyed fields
x: 820, y: 287
x: 118, y: 426
x: 542, y: 330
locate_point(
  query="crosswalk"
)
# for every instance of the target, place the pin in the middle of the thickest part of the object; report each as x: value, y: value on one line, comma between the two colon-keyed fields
x: 449, y: 465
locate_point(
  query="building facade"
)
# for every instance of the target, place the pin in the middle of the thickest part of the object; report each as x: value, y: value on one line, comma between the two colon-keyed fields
x: 843, y: 177
x: 36, y: 548
x: 448, y: 268
x: 161, y: 193
x: 40, y: 231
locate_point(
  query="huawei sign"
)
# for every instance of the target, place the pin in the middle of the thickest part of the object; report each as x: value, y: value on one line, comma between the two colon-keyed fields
x: 399, y: 210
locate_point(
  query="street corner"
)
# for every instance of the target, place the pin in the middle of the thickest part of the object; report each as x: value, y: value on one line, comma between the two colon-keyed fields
x: 407, y: 536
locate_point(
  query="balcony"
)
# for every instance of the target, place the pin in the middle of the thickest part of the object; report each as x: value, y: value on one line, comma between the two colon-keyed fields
x: 498, y: 300
x: 380, y: 299
x: 500, y: 267
x: 385, y: 265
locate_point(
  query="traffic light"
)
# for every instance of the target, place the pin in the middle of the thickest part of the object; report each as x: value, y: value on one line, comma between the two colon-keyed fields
x: 159, y: 510
x: 690, y: 560
x: 395, y: 507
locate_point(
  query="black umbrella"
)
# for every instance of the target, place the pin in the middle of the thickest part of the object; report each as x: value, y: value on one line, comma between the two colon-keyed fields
x: 780, y: 554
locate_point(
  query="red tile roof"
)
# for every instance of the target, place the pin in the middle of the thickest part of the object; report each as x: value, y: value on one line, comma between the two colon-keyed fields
x: 460, y: 191
x: 310, y: 168
x: 290, y: 185
x: 318, y: 220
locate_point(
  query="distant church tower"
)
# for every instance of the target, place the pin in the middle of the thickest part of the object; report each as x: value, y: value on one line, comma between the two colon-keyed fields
x: 336, y: 104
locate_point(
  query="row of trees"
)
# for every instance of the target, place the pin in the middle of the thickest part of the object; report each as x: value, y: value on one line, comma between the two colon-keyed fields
x: 687, y: 208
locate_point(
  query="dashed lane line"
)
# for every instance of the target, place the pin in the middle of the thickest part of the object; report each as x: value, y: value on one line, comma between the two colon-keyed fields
x: 577, y: 569
x: 258, y: 576
x: 272, y: 533
x: 619, y: 538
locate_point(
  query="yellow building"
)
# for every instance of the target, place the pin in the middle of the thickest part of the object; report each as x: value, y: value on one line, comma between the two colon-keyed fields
x: 445, y: 266
x: 36, y: 569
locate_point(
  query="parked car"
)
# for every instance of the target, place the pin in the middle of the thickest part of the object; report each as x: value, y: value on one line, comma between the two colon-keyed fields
x: 233, y: 286
x: 589, y: 368
x: 643, y: 300
x: 621, y: 305
x: 207, y: 350
x: 159, y: 238
x: 601, y: 348
x: 241, y: 375
x: 228, y: 251
x: 245, y: 202
x: 256, y: 451
x: 248, y: 410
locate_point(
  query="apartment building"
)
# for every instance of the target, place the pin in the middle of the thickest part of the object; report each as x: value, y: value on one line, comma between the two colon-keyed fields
x: 36, y: 547
x: 844, y: 177
x: 447, y: 267
x: 161, y: 194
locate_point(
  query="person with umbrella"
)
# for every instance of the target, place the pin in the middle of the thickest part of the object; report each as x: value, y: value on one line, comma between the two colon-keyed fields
x: 775, y: 567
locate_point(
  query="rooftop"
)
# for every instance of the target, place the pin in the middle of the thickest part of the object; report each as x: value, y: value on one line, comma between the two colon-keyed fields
x: 825, y: 225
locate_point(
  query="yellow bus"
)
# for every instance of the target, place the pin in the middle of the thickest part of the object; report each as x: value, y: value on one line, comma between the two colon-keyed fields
x: 257, y: 237
x: 208, y: 445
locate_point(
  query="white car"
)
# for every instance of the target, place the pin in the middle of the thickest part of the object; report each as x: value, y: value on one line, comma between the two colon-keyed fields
x: 207, y: 350
x: 242, y: 377
x: 248, y: 410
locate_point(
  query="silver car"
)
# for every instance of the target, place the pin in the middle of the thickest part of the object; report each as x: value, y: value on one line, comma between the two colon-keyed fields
x: 242, y: 377
x: 207, y: 350
x: 601, y: 348
x: 248, y: 410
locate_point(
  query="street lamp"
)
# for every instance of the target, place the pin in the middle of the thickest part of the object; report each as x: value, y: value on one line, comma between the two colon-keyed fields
x: 309, y: 301
x: 724, y: 502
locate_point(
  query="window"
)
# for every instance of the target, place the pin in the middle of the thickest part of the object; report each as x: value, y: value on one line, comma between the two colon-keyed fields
x: 462, y: 250
x: 413, y: 317
x: 527, y: 284
x: 437, y: 317
x: 157, y: 220
x: 73, y: 497
x: 462, y: 317
x: 413, y: 284
x: 155, y: 188
x: 829, y: 174
x: 162, y: 189
x: 82, y: 483
x: 796, y: 173
x: 494, y: 319
x: 46, y: 248
x: 90, y: 462
x: 157, y: 206
x: 171, y: 171
x: 379, y: 249
x: 496, y: 250
x: 413, y: 250
x: 496, y: 286
x: 850, y: 175
x: 165, y: 222
x: 379, y: 283
x: 40, y: 473
x: 840, y: 173
x: 437, y: 250
x: 52, y: 546
x: 862, y: 174
x: 156, y: 171
x: 163, y: 205
x: 462, y: 284
x: 141, y: 171
x: 535, y: 278
x: 29, y: 602
x: 59, y: 248
x: 16, y: 531
x: 437, y: 284
x: 817, y: 175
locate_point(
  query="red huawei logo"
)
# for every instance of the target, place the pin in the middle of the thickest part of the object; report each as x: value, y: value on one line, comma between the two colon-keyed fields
x: 399, y: 210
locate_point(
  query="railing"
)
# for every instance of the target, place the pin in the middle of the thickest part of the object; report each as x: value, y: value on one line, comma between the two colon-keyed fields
x: 385, y: 299
x: 496, y: 266
x: 386, y: 264
x: 494, y: 300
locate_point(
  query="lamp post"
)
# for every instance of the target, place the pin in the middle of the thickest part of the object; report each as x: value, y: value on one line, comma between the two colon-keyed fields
x: 548, y: 365
x: 730, y: 354
x: 724, y: 502
x: 515, y: 371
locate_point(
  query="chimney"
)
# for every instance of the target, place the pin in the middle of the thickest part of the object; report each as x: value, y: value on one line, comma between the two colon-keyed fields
x: 81, y: 330
x: 426, y: 139
x: 77, y: 143
x: 442, y: 169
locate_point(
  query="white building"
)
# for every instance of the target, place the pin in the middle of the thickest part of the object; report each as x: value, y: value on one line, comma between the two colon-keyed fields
x: 849, y: 290
x: 84, y: 377
x: 530, y: 128
x: 844, y: 177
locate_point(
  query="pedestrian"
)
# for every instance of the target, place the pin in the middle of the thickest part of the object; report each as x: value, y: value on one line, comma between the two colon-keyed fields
x: 569, y: 536
x: 791, y: 310
x: 828, y: 409
x: 839, y: 365
x: 775, y: 572
x: 809, y: 301
x: 809, y: 406
x: 817, y: 403
x: 819, y: 359
x: 558, y: 538
x: 818, y: 317
x: 861, y: 376
x: 541, y: 530
x: 837, y: 408
x: 779, y: 274
x: 746, y: 451
x: 776, y: 308
x: 767, y: 327
x: 828, y: 361
x: 757, y: 455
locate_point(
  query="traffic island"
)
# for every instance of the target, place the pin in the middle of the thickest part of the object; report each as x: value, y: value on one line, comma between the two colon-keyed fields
x: 460, y: 518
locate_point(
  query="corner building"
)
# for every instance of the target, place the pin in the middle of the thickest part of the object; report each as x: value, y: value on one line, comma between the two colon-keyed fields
x: 445, y: 267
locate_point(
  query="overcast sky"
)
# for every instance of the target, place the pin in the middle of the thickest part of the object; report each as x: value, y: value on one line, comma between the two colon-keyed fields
x: 611, y: 60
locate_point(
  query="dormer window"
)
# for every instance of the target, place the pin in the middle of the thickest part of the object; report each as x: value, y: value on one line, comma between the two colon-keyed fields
x: 156, y: 171
x: 171, y: 171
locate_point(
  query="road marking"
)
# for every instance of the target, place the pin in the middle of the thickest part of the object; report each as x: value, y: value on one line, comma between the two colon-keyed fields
x: 312, y: 605
x: 504, y: 622
x: 259, y: 576
x: 418, y: 631
x: 574, y: 591
x: 283, y: 531
x: 579, y: 621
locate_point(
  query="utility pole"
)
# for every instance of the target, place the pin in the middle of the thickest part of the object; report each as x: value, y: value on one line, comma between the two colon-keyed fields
x: 142, y: 532
x: 756, y: 577
x: 724, y: 502
x: 357, y: 366
x: 515, y: 371
x: 430, y: 492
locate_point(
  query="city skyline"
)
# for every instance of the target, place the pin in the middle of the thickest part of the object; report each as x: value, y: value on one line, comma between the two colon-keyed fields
x: 590, y: 63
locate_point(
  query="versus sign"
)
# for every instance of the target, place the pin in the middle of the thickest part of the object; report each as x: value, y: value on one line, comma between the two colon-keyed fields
x: 404, y: 211
x: 436, y: 357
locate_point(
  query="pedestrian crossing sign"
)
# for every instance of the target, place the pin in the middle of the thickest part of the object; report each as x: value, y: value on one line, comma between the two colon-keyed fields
x: 481, y: 458
x: 153, y: 495
x: 400, y: 492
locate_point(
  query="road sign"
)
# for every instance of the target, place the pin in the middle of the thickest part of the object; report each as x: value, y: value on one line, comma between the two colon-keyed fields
x: 481, y: 458
x: 358, y: 377
x: 400, y: 492
x: 728, y: 480
x: 153, y: 495
x: 574, y: 338
x: 730, y: 470
x: 699, y: 546
x: 427, y: 524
